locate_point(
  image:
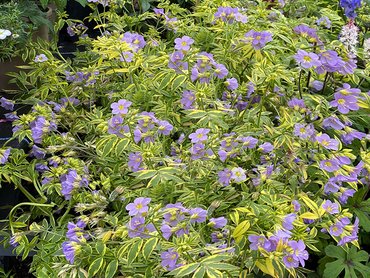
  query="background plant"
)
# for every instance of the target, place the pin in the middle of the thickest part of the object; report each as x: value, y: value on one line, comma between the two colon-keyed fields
x: 218, y: 141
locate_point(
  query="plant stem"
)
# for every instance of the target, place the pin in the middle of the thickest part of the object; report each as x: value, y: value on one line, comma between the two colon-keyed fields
x: 325, y: 82
x: 308, y: 80
x: 299, y: 84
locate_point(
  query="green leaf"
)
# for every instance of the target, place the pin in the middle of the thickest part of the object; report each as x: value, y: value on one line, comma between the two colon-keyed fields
x: 184, y: 270
x: 213, y: 273
x: 222, y: 266
x: 144, y: 174
x: 177, y: 82
x: 111, y: 269
x: 154, y: 181
x: 333, y: 269
x: 44, y: 3
x: 199, y: 273
x: 134, y: 251
x: 241, y: 229
x: 197, y: 114
x: 166, y: 80
x: 95, y: 266
x: 335, y: 252
x: 121, y: 146
x: 363, y: 269
x: 215, y: 258
x: 144, y: 5
x: 101, y: 248
x: 82, y: 2
x: 149, y: 246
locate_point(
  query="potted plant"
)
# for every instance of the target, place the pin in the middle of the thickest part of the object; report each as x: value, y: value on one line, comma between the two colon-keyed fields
x: 20, y: 23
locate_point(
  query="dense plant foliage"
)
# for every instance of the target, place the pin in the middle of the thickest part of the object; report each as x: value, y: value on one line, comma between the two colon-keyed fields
x: 228, y: 140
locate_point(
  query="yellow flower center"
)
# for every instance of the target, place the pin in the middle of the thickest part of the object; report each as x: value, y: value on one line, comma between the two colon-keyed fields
x: 341, y: 101
x: 307, y: 58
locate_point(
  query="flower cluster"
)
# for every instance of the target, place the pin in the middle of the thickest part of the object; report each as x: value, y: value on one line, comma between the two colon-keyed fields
x: 76, y: 237
x: 230, y: 15
x: 293, y: 252
x: 257, y: 39
x: 70, y: 181
x: 206, y: 68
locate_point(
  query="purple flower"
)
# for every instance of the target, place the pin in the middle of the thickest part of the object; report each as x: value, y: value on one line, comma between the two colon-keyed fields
x: 344, y: 103
x: 307, y: 32
x: 169, y: 259
x: 37, y: 152
x: 296, y: 104
x: 199, y: 135
x: 299, y: 251
x: 329, y: 207
x: 336, y: 229
x: 75, y: 231
x: 115, y: 126
x: 69, y: 250
x: 349, y: 7
x: 175, y: 62
x: 330, y: 165
x: 120, y: 107
x: 183, y: 43
x: 231, y: 84
x: 332, y: 122
x: 134, y: 161
x: 248, y: 142
x: 330, y: 62
x: 166, y: 231
x: 139, y: 206
x: 198, y: 151
x: 259, y: 242
x: 290, y: 261
x: 40, y: 58
x: 317, y: 85
x: 164, y: 127
x: 351, y: 134
x: 307, y: 59
x: 137, y: 228
x: 224, y: 176
x: 197, y: 215
x: 39, y: 127
x: 238, y: 174
x: 69, y: 181
x: 4, y: 155
x: 7, y: 103
x: 288, y: 221
x: 14, y: 240
x: 328, y: 143
x: 296, y: 205
x: 136, y: 41
x: 266, y: 147
x: 230, y: 15
x: 304, y: 131
x: 217, y: 223
x: 345, y: 193
x: 324, y: 21
x: 331, y: 186
x: 126, y: 56
x: 257, y: 39
x: 220, y: 71
x: 187, y: 100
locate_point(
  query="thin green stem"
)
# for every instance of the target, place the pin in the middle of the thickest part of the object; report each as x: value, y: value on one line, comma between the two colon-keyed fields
x: 299, y: 84
x: 26, y: 204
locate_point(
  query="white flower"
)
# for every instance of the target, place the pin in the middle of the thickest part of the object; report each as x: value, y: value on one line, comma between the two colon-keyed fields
x: 4, y: 33
x: 349, y: 37
x: 367, y: 48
